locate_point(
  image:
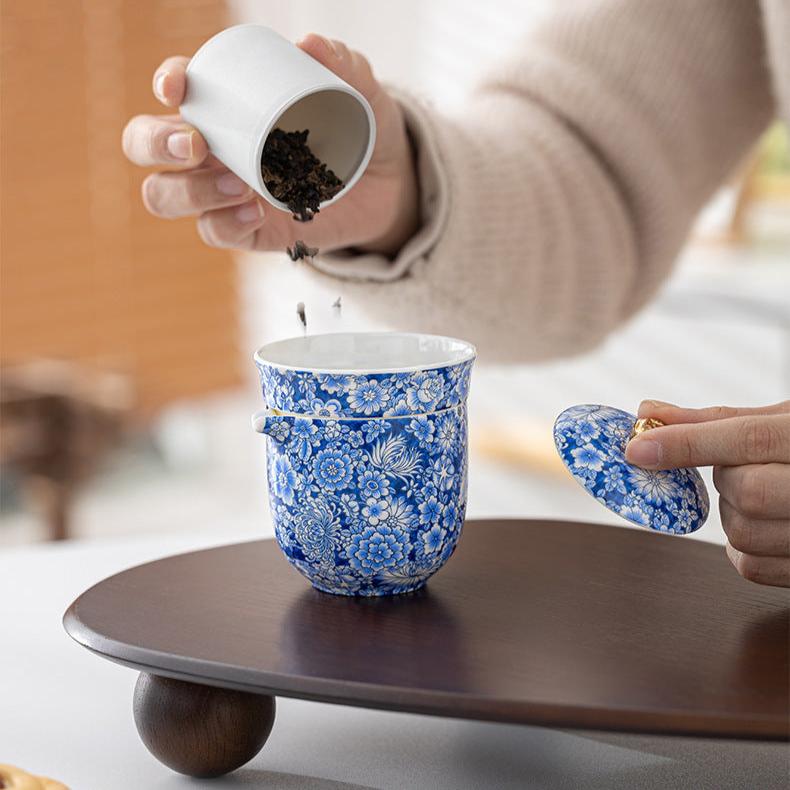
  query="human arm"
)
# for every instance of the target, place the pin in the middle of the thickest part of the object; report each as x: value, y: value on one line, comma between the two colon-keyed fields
x: 550, y: 206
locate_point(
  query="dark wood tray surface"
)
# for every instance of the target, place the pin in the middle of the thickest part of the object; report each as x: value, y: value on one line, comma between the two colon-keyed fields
x: 540, y: 622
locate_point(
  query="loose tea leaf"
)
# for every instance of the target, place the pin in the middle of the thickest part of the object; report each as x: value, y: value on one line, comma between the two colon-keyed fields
x: 300, y: 250
x: 294, y: 175
x: 302, y: 313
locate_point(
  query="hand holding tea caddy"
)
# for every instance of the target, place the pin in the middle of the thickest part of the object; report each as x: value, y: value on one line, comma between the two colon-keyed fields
x: 570, y: 200
x: 379, y: 213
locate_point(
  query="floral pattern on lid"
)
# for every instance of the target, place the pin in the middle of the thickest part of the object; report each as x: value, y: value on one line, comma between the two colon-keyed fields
x: 591, y: 441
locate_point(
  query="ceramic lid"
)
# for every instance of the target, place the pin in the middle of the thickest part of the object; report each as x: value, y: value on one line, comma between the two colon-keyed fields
x: 591, y: 441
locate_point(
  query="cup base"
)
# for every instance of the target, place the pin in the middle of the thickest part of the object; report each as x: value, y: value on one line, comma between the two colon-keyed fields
x: 372, y: 592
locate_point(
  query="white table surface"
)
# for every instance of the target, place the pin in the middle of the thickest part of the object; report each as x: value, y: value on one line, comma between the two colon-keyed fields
x: 67, y: 714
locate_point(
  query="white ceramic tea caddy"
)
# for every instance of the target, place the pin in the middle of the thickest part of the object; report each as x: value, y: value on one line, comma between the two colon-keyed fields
x: 248, y: 79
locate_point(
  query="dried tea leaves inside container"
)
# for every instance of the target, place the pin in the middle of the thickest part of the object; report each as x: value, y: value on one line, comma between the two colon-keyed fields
x: 294, y: 175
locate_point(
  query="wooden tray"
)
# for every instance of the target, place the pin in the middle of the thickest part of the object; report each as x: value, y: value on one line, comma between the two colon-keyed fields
x: 541, y: 622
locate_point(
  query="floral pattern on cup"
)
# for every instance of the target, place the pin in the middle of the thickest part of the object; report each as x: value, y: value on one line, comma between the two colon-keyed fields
x: 591, y: 441
x: 365, y: 394
x: 368, y: 507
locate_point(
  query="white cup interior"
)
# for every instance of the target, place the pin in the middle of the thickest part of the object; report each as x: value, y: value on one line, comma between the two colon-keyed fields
x: 341, y: 134
x: 365, y: 352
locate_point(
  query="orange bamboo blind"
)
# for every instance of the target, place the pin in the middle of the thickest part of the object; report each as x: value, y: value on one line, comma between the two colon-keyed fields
x: 85, y: 272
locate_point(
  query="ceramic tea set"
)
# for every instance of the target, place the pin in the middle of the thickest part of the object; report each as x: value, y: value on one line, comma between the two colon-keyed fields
x: 367, y: 458
x: 367, y: 432
x: 367, y: 455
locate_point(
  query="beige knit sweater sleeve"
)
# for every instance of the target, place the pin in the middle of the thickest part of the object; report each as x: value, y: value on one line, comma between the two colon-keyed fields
x: 556, y: 199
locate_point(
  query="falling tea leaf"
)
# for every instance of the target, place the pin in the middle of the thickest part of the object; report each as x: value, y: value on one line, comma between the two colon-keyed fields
x: 302, y: 314
x: 300, y: 250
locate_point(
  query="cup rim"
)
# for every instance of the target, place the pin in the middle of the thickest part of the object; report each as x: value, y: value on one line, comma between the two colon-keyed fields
x: 469, y: 353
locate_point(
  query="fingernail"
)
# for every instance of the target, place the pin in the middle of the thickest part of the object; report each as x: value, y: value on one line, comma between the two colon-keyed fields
x: 230, y: 184
x: 328, y: 43
x: 159, y: 85
x: 249, y: 212
x: 655, y: 404
x: 179, y: 144
x: 331, y: 45
x: 643, y: 452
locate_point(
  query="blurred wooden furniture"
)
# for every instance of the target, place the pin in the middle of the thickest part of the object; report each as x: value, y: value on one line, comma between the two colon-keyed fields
x: 86, y: 273
x: 58, y: 420
x: 763, y: 176
x: 518, y: 443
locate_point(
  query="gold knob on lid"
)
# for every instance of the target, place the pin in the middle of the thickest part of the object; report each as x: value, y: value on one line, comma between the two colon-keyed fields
x: 644, y: 424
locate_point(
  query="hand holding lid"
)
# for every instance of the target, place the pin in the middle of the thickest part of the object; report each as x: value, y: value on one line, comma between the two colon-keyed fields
x: 591, y: 441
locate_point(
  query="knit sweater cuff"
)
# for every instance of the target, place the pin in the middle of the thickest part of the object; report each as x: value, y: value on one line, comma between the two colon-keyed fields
x: 434, y: 208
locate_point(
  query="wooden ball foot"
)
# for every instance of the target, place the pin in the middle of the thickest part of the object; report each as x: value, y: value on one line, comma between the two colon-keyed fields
x: 197, y: 730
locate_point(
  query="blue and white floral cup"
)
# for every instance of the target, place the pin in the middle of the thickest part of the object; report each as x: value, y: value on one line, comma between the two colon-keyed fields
x: 367, y: 455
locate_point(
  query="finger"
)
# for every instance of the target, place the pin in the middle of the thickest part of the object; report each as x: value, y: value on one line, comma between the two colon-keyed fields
x: 153, y: 140
x: 170, y: 81
x: 728, y: 442
x: 232, y: 228
x: 183, y: 194
x: 770, y: 538
x: 670, y: 414
x: 756, y: 490
x: 350, y: 66
x: 773, y: 571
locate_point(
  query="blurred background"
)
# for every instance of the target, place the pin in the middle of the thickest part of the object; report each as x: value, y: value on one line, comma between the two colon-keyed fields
x: 127, y: 380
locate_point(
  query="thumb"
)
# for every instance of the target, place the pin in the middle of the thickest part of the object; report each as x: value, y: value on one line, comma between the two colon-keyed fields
x: 349, y: 65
